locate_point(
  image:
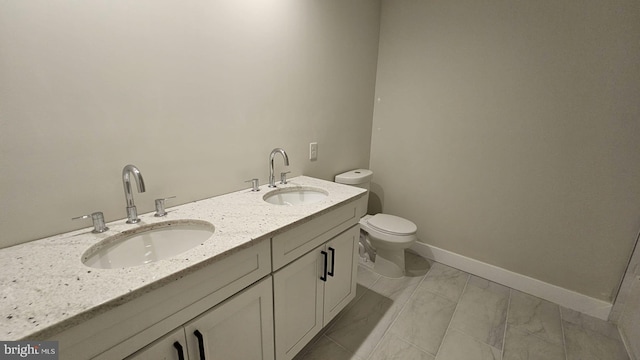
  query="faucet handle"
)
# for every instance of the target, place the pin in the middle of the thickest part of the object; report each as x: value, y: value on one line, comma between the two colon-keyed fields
x: 283, y: 177
x: 160, y: 206
x: 255, y: 183
x: 98, y: 222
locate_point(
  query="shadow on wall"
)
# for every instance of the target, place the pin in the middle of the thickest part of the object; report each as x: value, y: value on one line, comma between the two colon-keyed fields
x: 376, y: 199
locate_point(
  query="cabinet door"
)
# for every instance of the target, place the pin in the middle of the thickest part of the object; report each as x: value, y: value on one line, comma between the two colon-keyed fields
x: 340, y: 287
x: 239, y: 328
x: 170, y: 347
x: 298, y: 295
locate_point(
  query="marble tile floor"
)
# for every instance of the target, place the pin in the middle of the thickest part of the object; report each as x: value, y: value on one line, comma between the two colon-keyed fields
x: 441, y: 313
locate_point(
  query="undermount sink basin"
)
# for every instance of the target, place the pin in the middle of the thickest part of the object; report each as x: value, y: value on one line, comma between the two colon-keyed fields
x: 147, y: 244
x: 295, y: 196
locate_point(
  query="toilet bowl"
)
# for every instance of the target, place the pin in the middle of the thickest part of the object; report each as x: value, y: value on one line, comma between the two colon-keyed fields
x: 386, y: 236
x: 389, y: 235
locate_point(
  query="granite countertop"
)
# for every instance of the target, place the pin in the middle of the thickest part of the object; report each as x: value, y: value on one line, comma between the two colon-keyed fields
x: 47, y: 289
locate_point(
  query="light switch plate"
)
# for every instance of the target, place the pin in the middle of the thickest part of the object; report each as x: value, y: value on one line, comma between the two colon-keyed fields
x: 313, y: 151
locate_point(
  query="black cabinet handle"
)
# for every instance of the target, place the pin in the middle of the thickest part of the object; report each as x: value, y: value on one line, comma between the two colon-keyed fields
x: 324, y: 277
x: 180, y: 350
x: 198, y: 334
x: 333, y: 261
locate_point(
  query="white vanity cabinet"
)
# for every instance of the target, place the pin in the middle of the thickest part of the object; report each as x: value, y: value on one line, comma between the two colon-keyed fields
x: 264, y: 300
x: 124, y: 330
x: 313, y: 277
x: 239, y: 328
x: 309, y: 292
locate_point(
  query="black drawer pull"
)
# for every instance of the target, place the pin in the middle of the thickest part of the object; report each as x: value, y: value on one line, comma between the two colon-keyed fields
x: 198, y: 334
x: 324, y: 277
x: 180, y: 350
x: 333, y: 261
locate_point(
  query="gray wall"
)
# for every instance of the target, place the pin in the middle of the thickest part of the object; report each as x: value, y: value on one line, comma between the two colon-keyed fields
x: 509, y: 132
x: 195, y: 93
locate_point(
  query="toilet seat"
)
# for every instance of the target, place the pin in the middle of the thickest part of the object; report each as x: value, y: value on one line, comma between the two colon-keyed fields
x: 392, y: 225
x: 389, y: 235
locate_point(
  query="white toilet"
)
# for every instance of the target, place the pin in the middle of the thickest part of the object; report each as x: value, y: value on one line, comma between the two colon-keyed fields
x: 388, y: 235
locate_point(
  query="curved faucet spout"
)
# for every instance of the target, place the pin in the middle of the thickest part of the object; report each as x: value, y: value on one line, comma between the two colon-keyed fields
x: 132, y: 214
x: 281, y: 152
x: 272, y: 178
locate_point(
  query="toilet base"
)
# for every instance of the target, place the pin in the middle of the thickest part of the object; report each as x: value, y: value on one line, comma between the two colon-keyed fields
x: 389, y: 263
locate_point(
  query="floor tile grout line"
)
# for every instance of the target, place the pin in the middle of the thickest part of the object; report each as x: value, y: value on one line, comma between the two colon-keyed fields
x: 466, y: 284
x: 355, y: 301
x: 315, y: 340
x: 450, y: 328
x: 506, y: 324
x: 397, y: 316
x: 472, y: 336
x: 550, y: 342
x: 564, y: 340
x: 583, y: 325
x: 543, y: 339
x: 627, y: 347
x: 337, y: 344
x: 449, y: 300
x: 416, y: 346
x: 340, y: 315
x: 424, y: 277
x: 369, y: 288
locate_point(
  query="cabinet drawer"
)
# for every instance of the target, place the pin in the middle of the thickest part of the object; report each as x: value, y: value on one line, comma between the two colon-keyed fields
x: 298, y: 241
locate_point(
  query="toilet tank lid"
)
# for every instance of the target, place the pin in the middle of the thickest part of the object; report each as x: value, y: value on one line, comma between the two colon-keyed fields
x: 392, y: 224
x: 354, y: 177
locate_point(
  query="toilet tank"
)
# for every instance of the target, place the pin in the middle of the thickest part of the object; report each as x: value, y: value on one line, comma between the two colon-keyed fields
x: 360, y: 178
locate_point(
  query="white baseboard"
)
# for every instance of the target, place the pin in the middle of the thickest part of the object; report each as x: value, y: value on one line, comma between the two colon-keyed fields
x: 561, y: 296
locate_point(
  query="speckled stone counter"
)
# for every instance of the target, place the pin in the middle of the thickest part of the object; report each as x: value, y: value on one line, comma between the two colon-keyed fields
x: 46, y: 288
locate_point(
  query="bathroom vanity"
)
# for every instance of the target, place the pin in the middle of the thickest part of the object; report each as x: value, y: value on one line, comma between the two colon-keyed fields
x: 266, y: 282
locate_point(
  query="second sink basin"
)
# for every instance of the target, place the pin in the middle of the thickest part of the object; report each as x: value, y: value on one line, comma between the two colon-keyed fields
x: 295, y: 196
x: 147, y: 244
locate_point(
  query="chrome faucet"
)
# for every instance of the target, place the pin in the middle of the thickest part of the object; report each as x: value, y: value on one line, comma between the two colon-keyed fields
x: 272, y: 178
x: 132, y: 213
